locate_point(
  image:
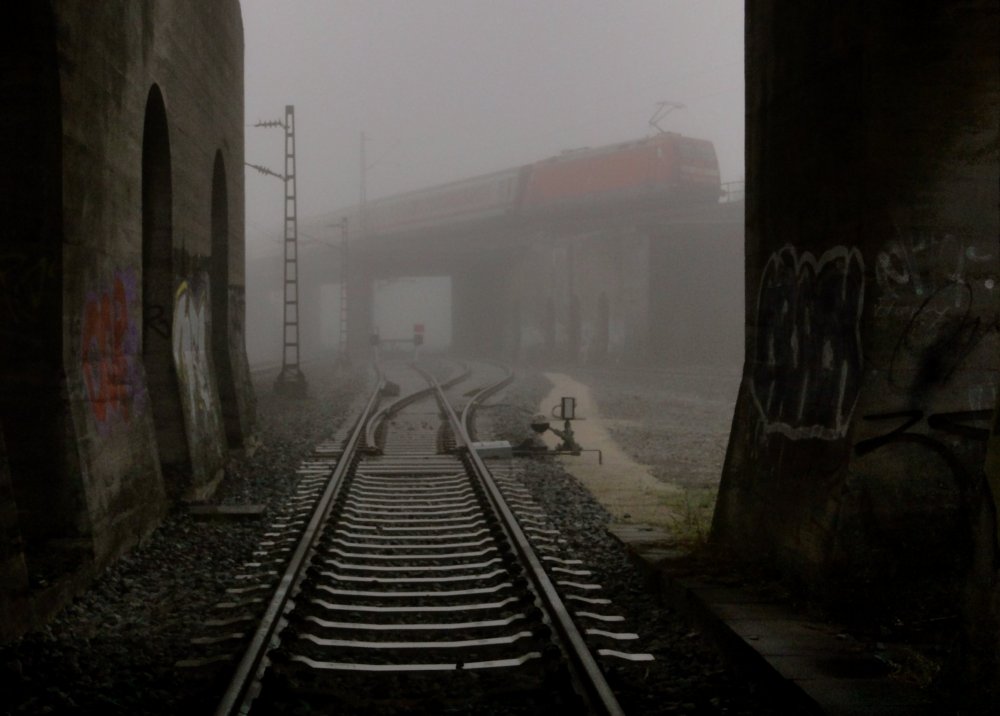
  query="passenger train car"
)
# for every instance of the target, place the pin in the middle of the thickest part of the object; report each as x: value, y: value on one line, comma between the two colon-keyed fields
x: 667, y: 169
x: 480, y: 198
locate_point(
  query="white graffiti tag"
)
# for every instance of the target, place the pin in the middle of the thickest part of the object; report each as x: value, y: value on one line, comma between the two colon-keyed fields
x: 190, y: 348
x: 807, y: 361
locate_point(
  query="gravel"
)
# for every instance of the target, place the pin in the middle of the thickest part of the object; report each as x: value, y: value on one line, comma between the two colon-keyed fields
x: 113, y: 650
x: 675, y: 421
x: 688, y: 675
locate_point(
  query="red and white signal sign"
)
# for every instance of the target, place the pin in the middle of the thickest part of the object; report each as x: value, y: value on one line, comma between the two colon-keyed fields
x: 418, y: 327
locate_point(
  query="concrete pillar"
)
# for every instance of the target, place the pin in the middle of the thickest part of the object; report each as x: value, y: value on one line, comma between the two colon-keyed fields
x: 872, y: 272
x: 479, y: 308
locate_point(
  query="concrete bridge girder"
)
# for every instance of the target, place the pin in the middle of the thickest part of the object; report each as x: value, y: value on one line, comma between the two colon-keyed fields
x: 582, y: 290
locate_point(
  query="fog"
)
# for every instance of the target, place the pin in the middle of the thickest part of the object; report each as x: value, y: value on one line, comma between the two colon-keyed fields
x: 447, y: 89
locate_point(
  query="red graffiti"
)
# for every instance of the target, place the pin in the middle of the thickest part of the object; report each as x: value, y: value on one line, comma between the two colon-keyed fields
x: 109, y: 359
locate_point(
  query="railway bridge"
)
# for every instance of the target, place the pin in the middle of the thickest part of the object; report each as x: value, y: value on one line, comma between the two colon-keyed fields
x: 623, y: 286
x: 619, y: 272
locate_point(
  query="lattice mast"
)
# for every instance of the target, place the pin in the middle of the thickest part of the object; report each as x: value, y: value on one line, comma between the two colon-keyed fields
x: 343, y: 357
x: 291, y: 379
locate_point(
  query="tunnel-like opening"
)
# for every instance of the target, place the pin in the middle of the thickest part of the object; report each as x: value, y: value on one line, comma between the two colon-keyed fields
x: 399, y: 304
x: 219, y: 280
x: 158, y: 294
x: 41, y: 508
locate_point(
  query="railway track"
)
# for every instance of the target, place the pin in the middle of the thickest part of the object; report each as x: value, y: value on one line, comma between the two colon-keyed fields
x: 410, y: 581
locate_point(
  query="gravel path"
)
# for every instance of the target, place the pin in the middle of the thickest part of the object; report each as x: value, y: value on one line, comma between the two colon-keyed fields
x: 677, y: 422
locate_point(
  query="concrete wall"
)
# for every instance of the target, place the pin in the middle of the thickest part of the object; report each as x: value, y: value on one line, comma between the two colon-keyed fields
x: 856, y: 458
x: 142, y: 317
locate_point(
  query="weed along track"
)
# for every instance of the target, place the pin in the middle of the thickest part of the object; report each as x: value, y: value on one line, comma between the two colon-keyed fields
x: 413, y: 584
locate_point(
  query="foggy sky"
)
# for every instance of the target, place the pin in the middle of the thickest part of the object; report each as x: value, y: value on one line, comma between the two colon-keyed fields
x: 452, y: 88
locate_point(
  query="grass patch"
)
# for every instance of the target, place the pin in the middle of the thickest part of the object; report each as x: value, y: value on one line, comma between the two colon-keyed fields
x: 694, y: 507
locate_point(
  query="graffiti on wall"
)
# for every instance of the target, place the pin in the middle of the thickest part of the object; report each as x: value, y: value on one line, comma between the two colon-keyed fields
x: 919, y: 264
x: 933, y: 284
x: 191, y: 348
x: 808, y: 360
x: 110, y: 352
x: 941, y: 292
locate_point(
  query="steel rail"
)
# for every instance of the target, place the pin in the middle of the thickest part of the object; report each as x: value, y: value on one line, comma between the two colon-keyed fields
x: 396, y: 406
x: 239, y: 693
x: 597, y: 691
x: 469, y: 411
x: 589, y: 676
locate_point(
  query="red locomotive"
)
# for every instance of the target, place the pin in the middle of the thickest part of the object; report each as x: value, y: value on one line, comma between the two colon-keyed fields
x: 658, y: 171
x: 664, y: 168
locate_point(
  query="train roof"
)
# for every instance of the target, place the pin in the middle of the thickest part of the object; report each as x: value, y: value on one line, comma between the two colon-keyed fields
x: 566, y: 154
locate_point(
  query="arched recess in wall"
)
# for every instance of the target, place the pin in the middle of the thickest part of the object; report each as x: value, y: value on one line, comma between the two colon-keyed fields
x: 219, y: 280
x: 43, y: 503
x: 158, y: 294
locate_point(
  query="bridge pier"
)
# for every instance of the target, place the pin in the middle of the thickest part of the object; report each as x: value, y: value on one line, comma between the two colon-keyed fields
x: 584, y: 297
x: 857, y: 453
x: 481, y: 313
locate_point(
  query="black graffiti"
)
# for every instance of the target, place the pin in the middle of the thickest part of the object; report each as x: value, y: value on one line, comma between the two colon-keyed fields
x: 952, y: 423
x: 956, y: 423
x: 909, y: 418
x: 807, y: 354
x: 936, y: 340
x: 155, y: 319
